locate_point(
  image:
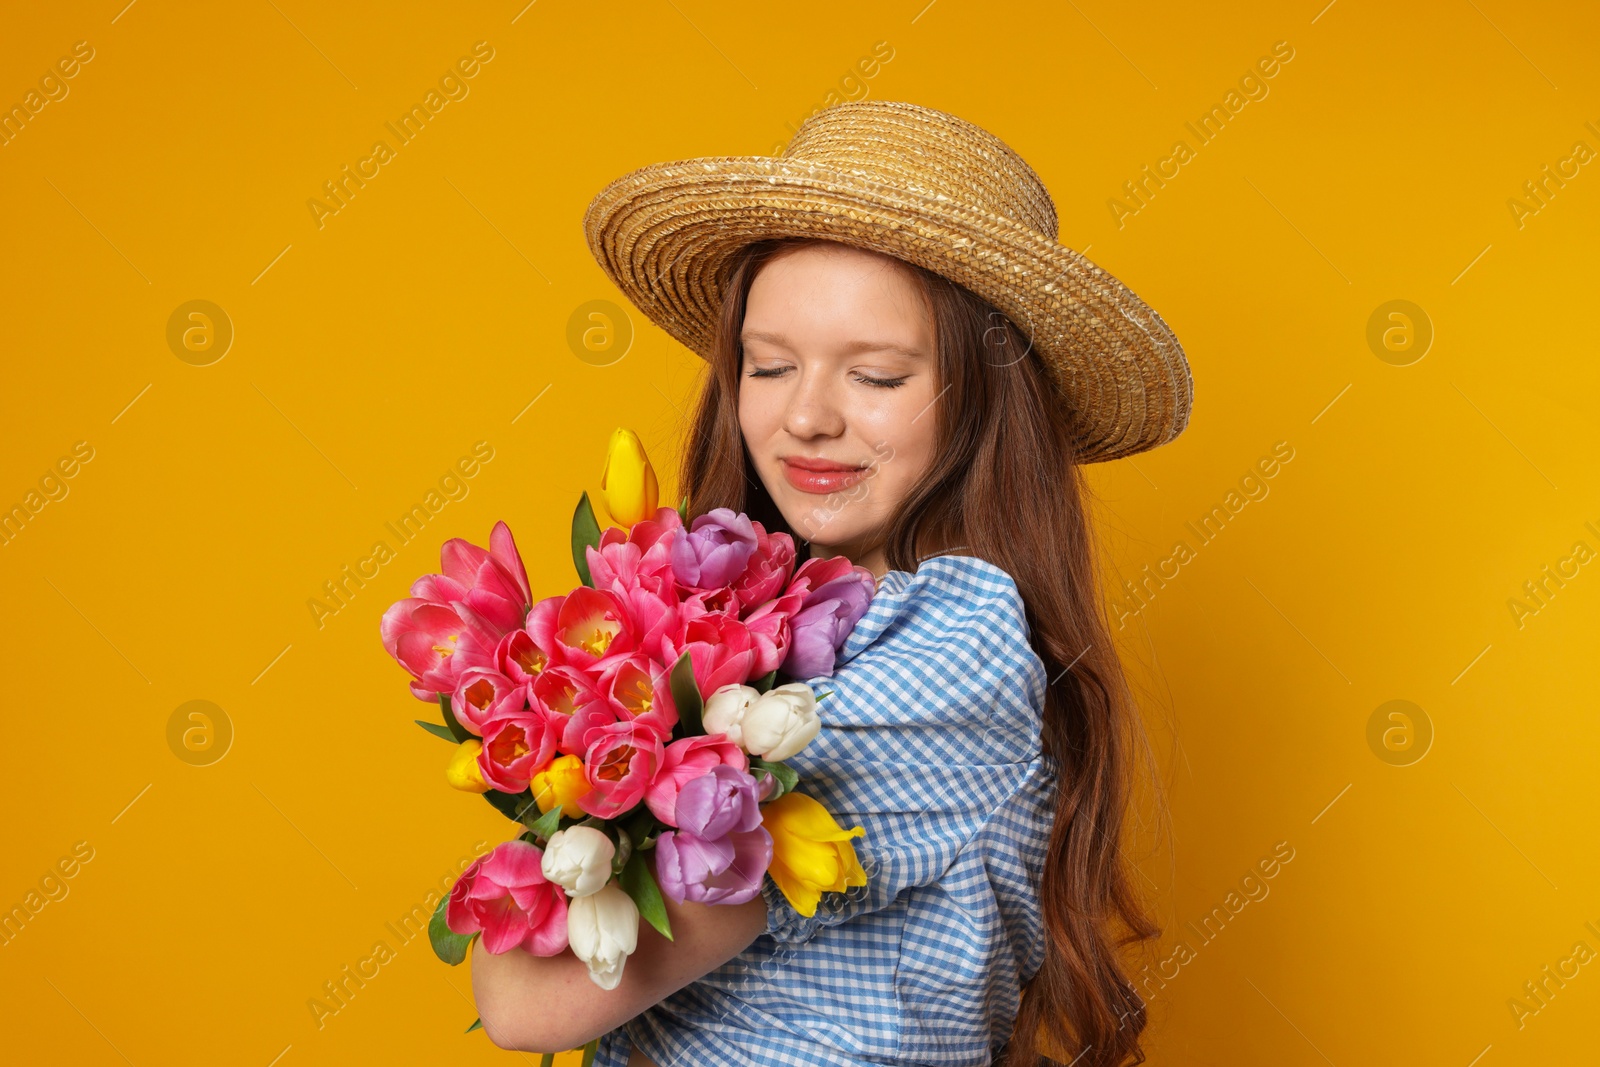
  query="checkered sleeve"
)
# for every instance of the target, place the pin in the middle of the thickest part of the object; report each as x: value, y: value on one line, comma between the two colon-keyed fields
x: 929, y: 732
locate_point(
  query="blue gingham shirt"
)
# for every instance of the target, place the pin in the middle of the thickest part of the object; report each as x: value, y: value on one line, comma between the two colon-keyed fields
x: 931, y: 743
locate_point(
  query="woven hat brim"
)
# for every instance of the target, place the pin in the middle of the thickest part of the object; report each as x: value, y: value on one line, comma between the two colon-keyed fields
x: 663, y: 233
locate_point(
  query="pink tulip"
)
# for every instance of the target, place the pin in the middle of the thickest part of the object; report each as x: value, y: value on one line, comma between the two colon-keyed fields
x: 456, y: 619
x: 518, y: 747
x: 769, y: 569
x: 519, y: 658
x: 617, y: 566
x: 561, y: 691
x: 769, y: 628
x: 488, y: 589
x: 624, y: 557
x: 495, y: 582
x: 434, y: 643
x: 685, y: 760
x: 620, y: 763
x: 593, y: 627
x: 541, y: 626
x: 722, y: 601
x: 638, y: 572
x: 720, y: 647
x: 592, y: 712
x: 506, y: 896
x: 655, y: 613
x: 482, y: 694
x: 642, y: 686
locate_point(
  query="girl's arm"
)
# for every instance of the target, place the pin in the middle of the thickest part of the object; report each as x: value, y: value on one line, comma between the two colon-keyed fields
x: 549, y: 1004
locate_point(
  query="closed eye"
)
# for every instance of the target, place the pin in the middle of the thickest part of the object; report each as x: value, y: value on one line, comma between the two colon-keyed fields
x: 864, y: 379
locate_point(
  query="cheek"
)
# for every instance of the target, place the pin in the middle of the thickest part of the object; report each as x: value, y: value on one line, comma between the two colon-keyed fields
x: 902, y: 436
x: 760, y: 418
x: 749, y: 419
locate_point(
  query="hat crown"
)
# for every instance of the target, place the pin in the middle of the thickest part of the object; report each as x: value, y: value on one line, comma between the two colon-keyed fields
x: 928, y: 152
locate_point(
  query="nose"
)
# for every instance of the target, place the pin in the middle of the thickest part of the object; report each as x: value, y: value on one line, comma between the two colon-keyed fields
x: 812, y: 409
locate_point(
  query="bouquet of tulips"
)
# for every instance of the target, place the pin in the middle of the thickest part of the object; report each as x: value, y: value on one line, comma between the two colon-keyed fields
x: 643, y: 713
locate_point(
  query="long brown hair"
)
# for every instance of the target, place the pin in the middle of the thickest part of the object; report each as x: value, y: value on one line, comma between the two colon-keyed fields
x: 1004, y: 484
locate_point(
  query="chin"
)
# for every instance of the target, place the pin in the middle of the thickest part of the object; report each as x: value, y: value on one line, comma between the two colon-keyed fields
x: 802, y: 511
x: 835, y: 537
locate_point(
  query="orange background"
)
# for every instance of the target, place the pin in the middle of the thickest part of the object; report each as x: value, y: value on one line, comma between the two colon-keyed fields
x: 1381, y: 562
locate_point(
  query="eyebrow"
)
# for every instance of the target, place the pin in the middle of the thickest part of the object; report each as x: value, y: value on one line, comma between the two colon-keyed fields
x: 850, y: 349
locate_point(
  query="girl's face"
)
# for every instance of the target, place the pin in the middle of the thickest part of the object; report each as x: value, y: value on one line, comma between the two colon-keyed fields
x: 837, y: 391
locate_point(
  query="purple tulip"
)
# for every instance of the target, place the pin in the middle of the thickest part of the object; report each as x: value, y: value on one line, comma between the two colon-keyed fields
x: 720, y: 850
x: 830, y: 611
x: 721, y: 801
x: 715, y: 550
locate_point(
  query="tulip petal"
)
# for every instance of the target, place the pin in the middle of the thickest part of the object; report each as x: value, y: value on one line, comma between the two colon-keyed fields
x: 503, y: 548
x: 504, y: 925
x: 460, y: 559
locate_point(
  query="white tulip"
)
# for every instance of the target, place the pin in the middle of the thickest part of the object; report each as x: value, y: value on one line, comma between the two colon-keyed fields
x: 603, y: 931
x: 725, y: 708
x: 578, y: 859
x: 781, y: 722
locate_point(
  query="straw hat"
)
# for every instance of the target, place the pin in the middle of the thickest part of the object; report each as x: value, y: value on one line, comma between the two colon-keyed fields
x: 925, y: 187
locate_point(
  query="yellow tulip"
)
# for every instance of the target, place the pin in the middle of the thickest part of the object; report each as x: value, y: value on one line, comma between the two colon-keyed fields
x: 628, y: 482
x: 561, y: 782
x: 811, y: 853
x: 463, y: 772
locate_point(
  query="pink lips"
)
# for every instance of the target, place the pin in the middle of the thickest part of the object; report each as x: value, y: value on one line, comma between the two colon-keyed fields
x: 820, y: 476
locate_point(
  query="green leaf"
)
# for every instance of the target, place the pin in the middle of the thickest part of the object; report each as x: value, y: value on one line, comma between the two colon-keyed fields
x: 447, y: 944
x: 477, y: 1024
x: 639, y: 882
x: 765, y: 683
x: 624, y: 851
x: 437, y: 731
x: 459, y: 732
x: 640, y: 823
x: 585, y: 534
x: 686, y: 695
x: 642, y: 828
x: 683, y: 511
x: 545, y: 825
x: 824, y: 696
x: 512, y: 805
x: 787, y: 776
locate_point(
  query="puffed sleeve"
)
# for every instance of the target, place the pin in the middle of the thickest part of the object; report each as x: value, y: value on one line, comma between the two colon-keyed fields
x: 933, y: 726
